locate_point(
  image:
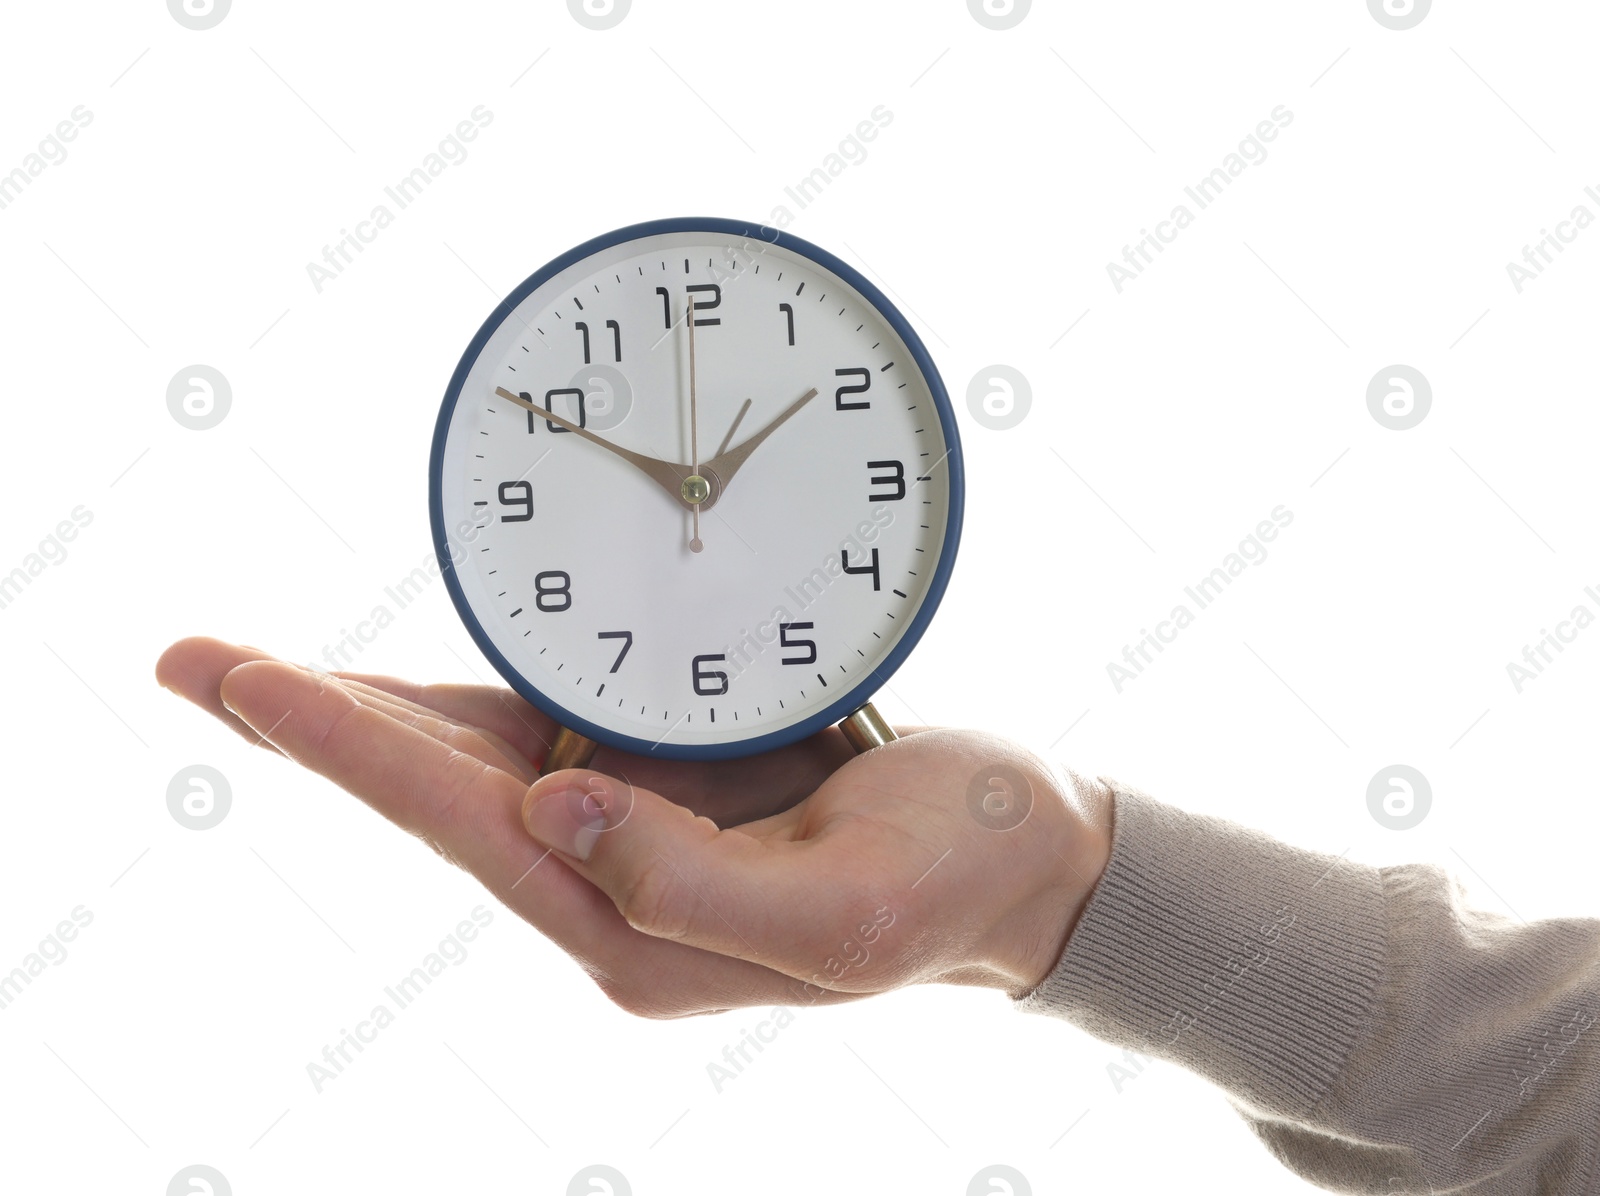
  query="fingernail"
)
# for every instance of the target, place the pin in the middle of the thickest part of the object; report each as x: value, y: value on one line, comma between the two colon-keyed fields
x: 567, y: 820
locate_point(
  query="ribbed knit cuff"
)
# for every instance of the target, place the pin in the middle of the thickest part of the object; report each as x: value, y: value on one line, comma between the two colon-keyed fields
x: 1247, y: 961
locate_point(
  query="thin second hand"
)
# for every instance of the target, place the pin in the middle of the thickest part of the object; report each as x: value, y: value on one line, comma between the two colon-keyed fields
x: 695, y: 544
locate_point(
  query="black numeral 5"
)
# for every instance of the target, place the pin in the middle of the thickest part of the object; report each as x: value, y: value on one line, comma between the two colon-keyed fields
x: 809, y: 646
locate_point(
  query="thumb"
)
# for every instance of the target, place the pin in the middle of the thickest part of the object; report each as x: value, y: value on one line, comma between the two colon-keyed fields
x: 675, y: 875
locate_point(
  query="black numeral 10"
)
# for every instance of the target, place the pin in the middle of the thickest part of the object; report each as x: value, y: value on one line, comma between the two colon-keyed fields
x: 549, y: 405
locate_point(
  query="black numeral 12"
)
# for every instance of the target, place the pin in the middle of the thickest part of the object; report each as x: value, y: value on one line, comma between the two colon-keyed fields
x: 700, y: 305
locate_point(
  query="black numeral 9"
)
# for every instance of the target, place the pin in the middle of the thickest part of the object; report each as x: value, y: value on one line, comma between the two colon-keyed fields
x: 517, y: 494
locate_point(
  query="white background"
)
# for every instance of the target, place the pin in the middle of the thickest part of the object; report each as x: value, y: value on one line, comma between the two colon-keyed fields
x: 1227, y: 379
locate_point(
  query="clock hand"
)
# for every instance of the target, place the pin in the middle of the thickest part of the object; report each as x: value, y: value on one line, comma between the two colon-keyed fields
x: 672, y: 477
x: 721, y: 468
x: 695, y: 544
x: 732, y: 428
x: 666, y: 474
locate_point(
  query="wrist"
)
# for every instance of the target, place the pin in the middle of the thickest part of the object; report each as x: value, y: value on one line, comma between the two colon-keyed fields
x: 1068, y: 852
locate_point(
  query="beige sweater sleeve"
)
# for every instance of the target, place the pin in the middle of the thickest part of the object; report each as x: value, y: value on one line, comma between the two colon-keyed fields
x: 1377, y: 1034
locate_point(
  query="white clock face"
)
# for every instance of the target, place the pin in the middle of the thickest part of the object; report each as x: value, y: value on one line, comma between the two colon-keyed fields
x: 576, y: 555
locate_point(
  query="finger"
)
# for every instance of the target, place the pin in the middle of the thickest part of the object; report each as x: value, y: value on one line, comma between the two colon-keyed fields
x: 470, y: 813
x: 475, y: 741
x: 193, y: 668
x: 487, y: 707
x: 674, y: 875
x: 731, y: 791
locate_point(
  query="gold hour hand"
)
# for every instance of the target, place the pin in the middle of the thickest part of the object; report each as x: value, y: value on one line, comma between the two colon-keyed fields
x: 666, y: 474
x: 721, y: 468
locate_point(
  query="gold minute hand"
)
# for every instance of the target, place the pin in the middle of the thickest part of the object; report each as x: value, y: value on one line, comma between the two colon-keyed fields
x: 720, y: 469
x: 667, y: 474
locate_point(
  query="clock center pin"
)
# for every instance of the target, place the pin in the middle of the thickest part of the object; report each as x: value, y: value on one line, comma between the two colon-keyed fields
x: 695, y: 489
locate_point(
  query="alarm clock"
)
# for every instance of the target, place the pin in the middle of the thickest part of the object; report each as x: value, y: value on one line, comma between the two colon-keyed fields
x: 696, y: 491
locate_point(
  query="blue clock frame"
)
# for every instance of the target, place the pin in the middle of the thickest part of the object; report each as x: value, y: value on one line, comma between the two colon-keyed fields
x: 873, y: 681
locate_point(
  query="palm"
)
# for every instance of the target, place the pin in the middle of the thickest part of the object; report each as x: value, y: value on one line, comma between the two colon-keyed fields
x: 450, y: 763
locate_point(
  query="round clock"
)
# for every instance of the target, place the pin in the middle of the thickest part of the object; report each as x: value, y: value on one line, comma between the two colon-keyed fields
x: 696, y: 491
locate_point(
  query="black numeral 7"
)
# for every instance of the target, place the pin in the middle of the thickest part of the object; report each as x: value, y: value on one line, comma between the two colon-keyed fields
x: 627, y: 642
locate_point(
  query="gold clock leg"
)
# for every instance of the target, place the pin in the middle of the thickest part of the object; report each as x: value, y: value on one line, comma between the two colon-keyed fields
x: 570, y: 750
x: 865, y: 729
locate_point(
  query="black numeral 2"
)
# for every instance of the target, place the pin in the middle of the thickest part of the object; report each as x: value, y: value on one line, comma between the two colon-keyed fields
x: 838, y: 396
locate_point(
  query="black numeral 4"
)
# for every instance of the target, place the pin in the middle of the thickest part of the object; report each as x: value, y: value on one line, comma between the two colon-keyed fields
x: 872, y: 569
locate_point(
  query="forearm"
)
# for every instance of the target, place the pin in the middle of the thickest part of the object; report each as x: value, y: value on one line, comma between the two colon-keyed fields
x: 1376, y: 1035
